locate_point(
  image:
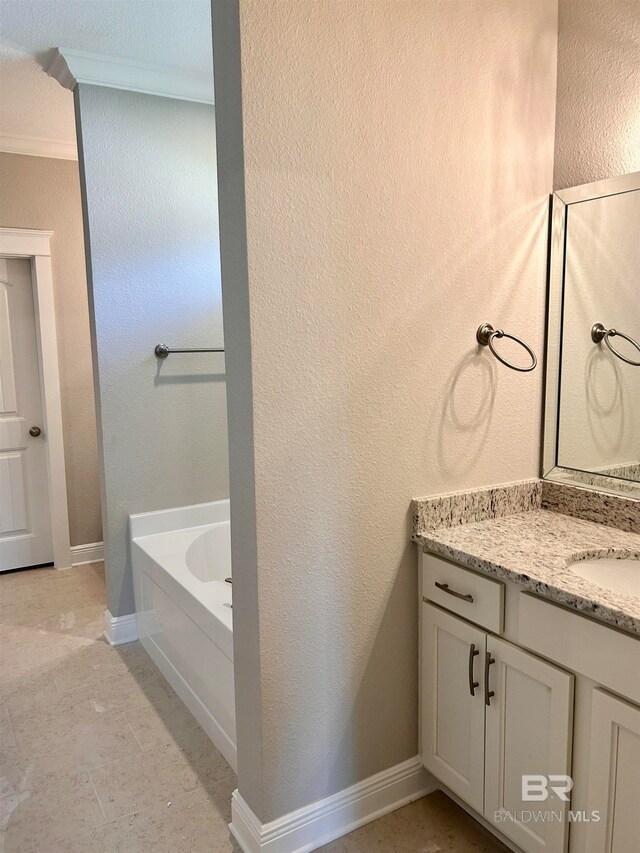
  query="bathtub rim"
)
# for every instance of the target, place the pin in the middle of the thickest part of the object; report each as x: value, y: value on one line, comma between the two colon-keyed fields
x: 178, y: 518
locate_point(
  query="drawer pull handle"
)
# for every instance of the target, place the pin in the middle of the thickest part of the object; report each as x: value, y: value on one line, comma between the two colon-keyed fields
x: 445, y: 588
x: 472, y: 684
x: 488, y: 660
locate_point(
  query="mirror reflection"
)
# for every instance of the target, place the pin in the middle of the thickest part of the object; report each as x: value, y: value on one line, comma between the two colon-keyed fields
x: 598, y: 425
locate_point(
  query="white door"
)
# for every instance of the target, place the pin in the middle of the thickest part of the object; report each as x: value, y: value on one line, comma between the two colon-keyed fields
x: 452, y: 703
x: 614, y: 775
x: 25, y: 524
x: 528, y: 731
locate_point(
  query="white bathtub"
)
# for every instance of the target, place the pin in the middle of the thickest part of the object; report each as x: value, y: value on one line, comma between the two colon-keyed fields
x: 180, y: 560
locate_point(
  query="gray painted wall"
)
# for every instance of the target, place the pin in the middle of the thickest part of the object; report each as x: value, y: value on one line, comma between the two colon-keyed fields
x: 237, y: 324
x: 598, y: 106
x: 149, y: 178
x: 43, y: 193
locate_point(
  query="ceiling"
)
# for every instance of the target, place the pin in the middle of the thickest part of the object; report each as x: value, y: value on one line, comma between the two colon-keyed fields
x: 171, y: 33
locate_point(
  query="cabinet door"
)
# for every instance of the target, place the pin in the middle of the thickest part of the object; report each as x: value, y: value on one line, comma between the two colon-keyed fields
x: 452, y: 703
x: 528, y: 731
x: 614, y: 775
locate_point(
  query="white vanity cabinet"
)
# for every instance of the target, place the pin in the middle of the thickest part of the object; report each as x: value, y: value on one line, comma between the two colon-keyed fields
x: 490, y: 713
x: 496, y: 708
x: 614, y: 774
x: 528, y: 726
x: 452, y: 724
x: 606, y: 771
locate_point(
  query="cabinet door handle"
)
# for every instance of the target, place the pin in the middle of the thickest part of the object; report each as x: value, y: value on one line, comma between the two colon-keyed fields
x: 445, y: 588
x: 488, y: 660
x: 472, y: 684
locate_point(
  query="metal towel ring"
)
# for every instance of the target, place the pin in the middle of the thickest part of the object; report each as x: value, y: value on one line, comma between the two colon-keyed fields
x: 599, y: 333
x: 485, y: 335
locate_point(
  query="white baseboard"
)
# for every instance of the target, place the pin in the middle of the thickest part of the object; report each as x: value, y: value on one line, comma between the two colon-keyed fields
x: 321, y: 822
x: 120, y: 629
x: 91, y: 553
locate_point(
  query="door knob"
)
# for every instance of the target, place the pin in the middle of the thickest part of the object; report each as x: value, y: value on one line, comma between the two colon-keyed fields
x: 35, y: 431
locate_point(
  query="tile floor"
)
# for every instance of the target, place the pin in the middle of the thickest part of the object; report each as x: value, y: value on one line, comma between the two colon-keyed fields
x: 97, y: 754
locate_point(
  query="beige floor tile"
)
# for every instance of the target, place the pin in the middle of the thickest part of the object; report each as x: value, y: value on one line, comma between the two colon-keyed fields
x: 31, y: 818
x: 158, y: 775
x: 127, y: 691
x: 29, y: 598
x: 31, y: 719
x: 346, y: 844
x: 166, y: 721
x: 30, y: 584
x: 168, y: 728
x: 39, y: 728
x: 178, y: 770
x: 125, y: 787
x: 88, y: 664
x: 12, y: 771
x: 194, y: 823
x: 24, y: 607
x: 433, y: 824
x: 121, y: 690
x: 87, y: 667
x: 20, y: 771
x: 7, y: 737
x: 83, y: 622
x: 89, y: 744
x: 34, y: 685
x: 37, y: 583
x: 456, y: 824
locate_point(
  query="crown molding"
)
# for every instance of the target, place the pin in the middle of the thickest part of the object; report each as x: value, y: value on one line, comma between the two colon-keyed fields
x: 70, y: 67
x: 34, y: 146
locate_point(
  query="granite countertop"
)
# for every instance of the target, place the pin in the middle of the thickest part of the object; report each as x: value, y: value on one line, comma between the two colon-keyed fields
x: 534, y: 549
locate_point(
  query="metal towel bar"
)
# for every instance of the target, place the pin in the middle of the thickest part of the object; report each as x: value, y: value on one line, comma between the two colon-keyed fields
x: 162, y: 350
x: 485, y: 336
x: 599, y: 333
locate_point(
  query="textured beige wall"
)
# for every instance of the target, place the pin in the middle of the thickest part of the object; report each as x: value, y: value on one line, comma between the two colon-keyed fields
x: 42, y: 193
x: 598, y: 106
x: 398, y: 160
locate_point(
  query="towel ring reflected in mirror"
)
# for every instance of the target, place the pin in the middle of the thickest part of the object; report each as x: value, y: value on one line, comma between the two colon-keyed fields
x: 599, y: 333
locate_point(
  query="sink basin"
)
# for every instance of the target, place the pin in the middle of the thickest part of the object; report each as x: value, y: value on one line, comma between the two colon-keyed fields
x: 617, y: 575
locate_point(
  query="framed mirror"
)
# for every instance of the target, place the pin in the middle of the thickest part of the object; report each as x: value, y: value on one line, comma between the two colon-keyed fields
x: 592, y: 390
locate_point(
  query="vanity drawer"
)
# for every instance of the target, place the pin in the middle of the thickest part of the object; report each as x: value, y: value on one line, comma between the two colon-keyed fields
x: 473, y: 596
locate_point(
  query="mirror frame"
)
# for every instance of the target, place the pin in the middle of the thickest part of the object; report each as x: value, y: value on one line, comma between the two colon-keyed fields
x: 560, y: 202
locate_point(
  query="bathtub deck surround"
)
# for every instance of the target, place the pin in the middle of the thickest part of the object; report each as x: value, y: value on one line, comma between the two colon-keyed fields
x: 530, y: 533
x: 181, y: 561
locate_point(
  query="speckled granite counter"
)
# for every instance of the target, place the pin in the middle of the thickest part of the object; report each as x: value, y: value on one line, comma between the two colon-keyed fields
x: 533, y: 549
